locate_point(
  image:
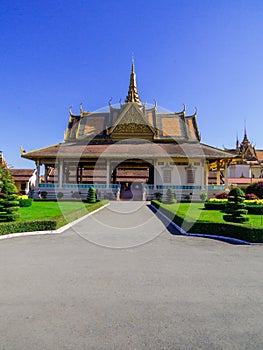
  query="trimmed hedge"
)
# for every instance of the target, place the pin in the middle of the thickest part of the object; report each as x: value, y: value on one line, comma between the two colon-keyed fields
x: 251, y: 208
x: 245, y: 233
x: 25, y: 202
x: 215, y: 205
x: 254, y: 209
x: 27, y: 226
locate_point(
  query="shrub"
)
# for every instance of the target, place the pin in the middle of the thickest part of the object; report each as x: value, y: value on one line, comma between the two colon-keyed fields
x: 91, y: 198
x: 43, y: 194
x: 9, y: 203
x: 60, y: 195
x: 237, y: 193
x: 222, y: 195
x: 256, y: 188
x: 255, y: 209
x: 170, y: 196
x: 250, y: 234
x: 251, y: 196
x: 27, y: 226
x: 253, y: 202
x: 203, y: 196
x: 158, y: 195
x: 213, y: 205
x: 25, y: 202
x: 235, y: 207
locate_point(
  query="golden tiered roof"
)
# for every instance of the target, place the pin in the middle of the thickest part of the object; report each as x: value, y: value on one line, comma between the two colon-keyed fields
x: 132, y: 120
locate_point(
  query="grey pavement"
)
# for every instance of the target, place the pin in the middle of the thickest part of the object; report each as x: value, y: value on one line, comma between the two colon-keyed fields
x: 165, y: 292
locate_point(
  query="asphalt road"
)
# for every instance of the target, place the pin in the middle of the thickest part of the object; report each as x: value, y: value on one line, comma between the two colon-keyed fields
x: 71, y: 291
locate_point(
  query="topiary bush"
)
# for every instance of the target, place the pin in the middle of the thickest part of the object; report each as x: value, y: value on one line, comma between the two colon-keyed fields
x: 256, y: 188
x: 170, y: 196
x: 203, y: 196
x: 60, y: 195
x: 43, y: 194
x: 9, y: 201
x: 235, y: 208
x: 91, y: 198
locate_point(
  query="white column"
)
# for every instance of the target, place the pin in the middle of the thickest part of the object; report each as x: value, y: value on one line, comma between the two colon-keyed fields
x: 60, y: 173
x: 27, y: 188
x: 206, y: 173
x: 38, y: 173
x: 155, y: 174
x: 202, y: 175
x: 108, y: 174
x: 46, y: 173
x: 218, y: 174
x: 226, y: 176
x: 250, y: 172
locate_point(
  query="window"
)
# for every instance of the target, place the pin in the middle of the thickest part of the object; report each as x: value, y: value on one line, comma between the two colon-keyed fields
x: 190, y: 174
x: 180, y: 163
x: 167, y: 176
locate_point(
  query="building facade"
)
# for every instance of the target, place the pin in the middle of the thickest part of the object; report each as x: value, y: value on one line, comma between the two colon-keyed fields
x: 130, y: 151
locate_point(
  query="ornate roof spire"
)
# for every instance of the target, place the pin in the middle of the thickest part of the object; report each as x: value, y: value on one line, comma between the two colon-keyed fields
x: 133, y: 95
x: 237, y: 142
x: 245, y: 140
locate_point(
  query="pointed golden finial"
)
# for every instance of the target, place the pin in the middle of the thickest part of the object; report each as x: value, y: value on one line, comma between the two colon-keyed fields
x: 133, y: 95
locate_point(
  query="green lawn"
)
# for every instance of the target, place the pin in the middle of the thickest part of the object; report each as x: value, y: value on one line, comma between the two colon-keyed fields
x: 196, y: 212
x: 62, y: 212
x: 48, y: 216
x: 47, y: 210
x: 192, y: 218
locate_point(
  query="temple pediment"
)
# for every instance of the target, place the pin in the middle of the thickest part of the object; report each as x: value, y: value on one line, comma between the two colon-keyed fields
x: 131, y: 124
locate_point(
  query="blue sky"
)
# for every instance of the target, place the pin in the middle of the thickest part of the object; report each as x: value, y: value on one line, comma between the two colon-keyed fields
x: 57, y: 54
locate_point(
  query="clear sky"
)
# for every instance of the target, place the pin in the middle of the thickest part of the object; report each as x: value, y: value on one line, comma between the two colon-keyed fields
x: 57, y: 54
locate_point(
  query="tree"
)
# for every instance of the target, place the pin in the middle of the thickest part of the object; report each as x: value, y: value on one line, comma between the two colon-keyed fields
x: 91, y: 198
x: 256, y: 188
x: 9, y: 202
x: 170, y: 196
x: 235, y: 208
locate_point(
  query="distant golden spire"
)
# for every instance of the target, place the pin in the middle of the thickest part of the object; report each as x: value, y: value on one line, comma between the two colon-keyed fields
x: 133, y: 95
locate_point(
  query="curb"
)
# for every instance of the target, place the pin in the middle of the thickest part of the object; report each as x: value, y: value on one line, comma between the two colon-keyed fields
x: 52, y: 232
x: 203, y: 235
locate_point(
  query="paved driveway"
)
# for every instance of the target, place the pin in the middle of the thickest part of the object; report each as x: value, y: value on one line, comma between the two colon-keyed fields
x: 65, y: 292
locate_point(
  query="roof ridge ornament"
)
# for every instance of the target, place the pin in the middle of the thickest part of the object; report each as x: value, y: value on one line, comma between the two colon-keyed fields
x: 133, y: 95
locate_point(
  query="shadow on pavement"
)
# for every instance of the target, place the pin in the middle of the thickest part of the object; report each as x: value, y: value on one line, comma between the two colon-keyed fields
x: 167, y: 223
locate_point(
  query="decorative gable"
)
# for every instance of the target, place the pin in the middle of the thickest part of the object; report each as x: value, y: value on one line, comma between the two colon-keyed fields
x: 131, y: 124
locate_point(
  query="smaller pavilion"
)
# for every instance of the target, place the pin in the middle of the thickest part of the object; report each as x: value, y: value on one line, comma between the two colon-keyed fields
x: 247, y: 167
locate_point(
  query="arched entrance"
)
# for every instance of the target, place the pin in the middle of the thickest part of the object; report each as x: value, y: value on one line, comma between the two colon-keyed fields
x: 132, y: 175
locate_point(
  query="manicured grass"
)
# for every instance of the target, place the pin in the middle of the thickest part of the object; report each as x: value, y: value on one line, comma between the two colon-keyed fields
x: 62, y: 212
x: 47, y: 210
x: 192, y: 218
x: 196, y: 212
x: 48, y: 216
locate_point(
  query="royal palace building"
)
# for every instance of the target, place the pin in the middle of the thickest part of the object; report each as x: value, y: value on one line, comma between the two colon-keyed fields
x: 130, y: 151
